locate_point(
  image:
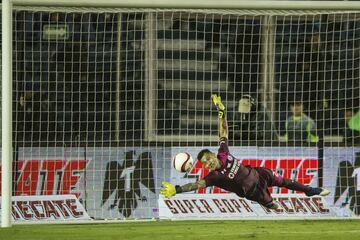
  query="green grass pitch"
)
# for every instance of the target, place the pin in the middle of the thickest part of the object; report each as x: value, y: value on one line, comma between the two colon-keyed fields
x: 186, y: 230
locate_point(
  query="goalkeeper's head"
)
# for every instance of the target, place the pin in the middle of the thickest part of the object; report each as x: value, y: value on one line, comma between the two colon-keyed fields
x: 209, y: 159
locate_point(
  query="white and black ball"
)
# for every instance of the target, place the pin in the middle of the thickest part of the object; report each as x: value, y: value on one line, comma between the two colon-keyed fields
x: 182, y: 162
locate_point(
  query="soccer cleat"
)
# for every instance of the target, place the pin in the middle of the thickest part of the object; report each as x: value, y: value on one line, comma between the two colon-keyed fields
x: 219, y: 105
x: 317, y: 191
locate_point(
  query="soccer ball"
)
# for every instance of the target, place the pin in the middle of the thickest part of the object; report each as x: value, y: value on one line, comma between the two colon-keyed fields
x: 182, y: 161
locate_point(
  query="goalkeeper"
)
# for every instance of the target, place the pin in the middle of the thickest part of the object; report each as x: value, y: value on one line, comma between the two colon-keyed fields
x: 229, y: 174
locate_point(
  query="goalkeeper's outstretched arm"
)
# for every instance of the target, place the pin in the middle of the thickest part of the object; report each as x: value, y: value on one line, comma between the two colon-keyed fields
x: 190, y: 186
x: 168, y: 190
x: 223, y: 126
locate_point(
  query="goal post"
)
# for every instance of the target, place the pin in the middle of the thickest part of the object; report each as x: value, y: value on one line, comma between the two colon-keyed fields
x: 187, y: 4
x: 6, y: 116
x: 105, y: 93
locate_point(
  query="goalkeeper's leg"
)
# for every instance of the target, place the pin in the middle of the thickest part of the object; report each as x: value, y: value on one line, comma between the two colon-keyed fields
x: 296, y: 186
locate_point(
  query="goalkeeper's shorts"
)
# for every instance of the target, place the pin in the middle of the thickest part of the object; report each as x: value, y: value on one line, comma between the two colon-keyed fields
x: 261, y: 193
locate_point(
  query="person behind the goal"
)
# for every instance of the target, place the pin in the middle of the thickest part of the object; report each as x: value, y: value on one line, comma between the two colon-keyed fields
x: 229, y: 174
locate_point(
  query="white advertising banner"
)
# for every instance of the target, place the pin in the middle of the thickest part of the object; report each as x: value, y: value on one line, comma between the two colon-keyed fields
x: 111, y: 182
x: 47, y: 208
x: 126, y: 181
x: 51, y: 171
x: 122, y: 182
x: 342, y: 178
x: 217, y: 206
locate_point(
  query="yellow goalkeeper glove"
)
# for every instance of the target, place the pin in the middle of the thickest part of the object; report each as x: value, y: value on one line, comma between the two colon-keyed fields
x: 218, y: 104
x: 167, y: 190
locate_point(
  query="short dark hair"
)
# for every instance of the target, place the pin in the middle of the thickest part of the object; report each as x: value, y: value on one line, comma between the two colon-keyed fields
x: 202, y: 153
x: 297, y: 103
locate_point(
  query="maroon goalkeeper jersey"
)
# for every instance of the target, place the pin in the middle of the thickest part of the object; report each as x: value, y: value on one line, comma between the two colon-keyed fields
x: 232, y: 176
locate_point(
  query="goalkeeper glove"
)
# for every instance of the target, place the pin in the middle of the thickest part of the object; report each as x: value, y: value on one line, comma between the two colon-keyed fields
x: 219, y: 105
x: 167, y: 190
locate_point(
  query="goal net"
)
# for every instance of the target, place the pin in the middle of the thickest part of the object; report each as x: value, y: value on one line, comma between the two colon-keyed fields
x: 103, y: 98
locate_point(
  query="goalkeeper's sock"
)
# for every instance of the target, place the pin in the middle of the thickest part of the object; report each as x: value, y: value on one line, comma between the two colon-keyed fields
x: 291, y: 184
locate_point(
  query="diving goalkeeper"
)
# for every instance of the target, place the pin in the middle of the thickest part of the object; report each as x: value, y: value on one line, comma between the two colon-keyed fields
x: 229, y: 174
